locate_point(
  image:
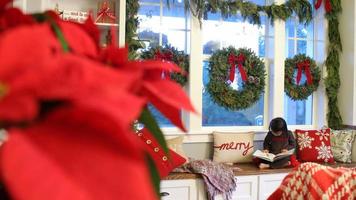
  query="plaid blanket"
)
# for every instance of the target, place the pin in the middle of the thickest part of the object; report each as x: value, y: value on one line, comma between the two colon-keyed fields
x: 218, y: 178
x: 315, y: 181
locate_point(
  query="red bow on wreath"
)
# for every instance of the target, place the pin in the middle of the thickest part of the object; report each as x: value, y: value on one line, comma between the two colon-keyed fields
x: 104, y: 12
x: 304, y: 65
x: 240, y: 59
x: 327, y: 5
x: 168, y: 56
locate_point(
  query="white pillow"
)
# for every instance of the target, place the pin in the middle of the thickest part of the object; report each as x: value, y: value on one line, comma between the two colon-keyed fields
x: 175, y: 144
x: 233, y: 147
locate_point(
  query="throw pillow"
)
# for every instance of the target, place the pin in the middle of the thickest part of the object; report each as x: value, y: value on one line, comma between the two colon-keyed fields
x: 175, y: 144
x: 341, y: 144
x: 314, y: 145
x: 164, y: 163
x: 233, y: 147
x: 353, y: 153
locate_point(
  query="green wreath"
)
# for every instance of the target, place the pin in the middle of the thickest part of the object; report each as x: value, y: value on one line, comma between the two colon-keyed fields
x: 293, y: 87
x: 223, y: 64
x: 170, y: 53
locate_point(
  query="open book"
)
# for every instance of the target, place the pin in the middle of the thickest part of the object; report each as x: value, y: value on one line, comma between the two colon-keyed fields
x: 272, y: 157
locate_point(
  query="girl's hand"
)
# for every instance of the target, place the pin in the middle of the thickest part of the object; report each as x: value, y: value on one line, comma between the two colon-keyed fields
x: 284, y: 150
x: 265, y: 151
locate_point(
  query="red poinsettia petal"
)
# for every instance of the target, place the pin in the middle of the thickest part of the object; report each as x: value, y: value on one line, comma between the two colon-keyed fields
x: 13, y: 17
x: 123, y: 108
x: 73, y: 161
x: 117, y: 57
x: 168, y: 92
x: 4, y: 3
x: 171, y: 113
x: 79, y: 40
x: 75, y: 76
x: 91, y: 29
x: 18, y: 108
x: 157, y: 65
x: 25, y: 49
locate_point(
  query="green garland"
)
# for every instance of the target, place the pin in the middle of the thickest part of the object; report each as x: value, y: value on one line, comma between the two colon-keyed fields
x: 332, y: 81
x: 251, y: 11
x: 178, y: 57
x: 132, y: 7
x: 220, y: 89
x: 303, y: 91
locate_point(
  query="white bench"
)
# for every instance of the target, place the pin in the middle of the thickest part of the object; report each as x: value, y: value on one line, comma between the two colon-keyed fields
x: 252, y: 184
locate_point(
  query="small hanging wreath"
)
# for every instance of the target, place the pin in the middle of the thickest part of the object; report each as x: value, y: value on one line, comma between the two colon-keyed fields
x: 169, y: 53
x: 222, y: 74
x: 293, y: 86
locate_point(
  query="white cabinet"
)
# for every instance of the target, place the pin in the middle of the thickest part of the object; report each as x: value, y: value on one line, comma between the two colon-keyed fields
x: 246, y: 188
x: 268, y: 183
x: 251, y: 187
x: 186, y: 189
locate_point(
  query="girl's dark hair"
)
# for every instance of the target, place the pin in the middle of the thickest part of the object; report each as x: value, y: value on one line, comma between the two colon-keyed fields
x: 278, y: 124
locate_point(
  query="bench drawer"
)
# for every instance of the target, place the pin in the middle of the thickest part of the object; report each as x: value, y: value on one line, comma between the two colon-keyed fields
x: 179, y: 190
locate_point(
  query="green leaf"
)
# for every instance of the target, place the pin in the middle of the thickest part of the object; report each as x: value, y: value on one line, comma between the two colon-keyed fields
x: 154, y: 174
x: 150, y: 123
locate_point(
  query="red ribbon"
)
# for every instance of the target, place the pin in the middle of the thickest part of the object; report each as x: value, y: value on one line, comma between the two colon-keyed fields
x: 240, y: 59
x: 327, y: 5
x: 104, y: 11
x: 304, y: 65
x: 168, y: 56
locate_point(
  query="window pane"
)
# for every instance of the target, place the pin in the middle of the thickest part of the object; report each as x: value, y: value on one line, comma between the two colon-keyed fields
x: 290, y: 24
x: 298, y: 112
x: 290, y: 48
x: 172, y: 26
x: 163, y: 26
x: 150, y: 1
x: 175, y: 18
x: 177, y: 39
x: 258, y: 2
x: 215, y: 115
x: 149, y: 16
x: 302, y: 46
x: 233, y: 31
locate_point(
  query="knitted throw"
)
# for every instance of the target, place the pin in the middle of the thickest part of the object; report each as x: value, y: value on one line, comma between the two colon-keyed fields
x: 218, y: 178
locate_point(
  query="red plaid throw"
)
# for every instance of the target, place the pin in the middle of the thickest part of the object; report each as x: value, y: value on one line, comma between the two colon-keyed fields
x: 315, y: 181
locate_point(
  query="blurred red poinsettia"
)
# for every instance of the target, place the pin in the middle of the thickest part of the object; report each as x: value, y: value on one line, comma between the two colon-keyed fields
x: 69, y: 106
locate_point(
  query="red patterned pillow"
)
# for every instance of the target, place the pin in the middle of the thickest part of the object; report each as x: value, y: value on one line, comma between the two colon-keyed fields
x: 163, y: 162
x: 314, y: 145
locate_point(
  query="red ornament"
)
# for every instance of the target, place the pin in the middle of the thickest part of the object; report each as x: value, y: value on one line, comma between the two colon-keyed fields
x: 106, y: 13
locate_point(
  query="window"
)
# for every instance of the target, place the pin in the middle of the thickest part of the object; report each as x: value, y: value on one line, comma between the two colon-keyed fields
x: 162, y: 25
x: 216, y: 34
x: 299, y: 40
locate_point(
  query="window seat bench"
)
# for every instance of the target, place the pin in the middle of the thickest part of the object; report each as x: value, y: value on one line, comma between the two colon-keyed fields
x: 252, y: 183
